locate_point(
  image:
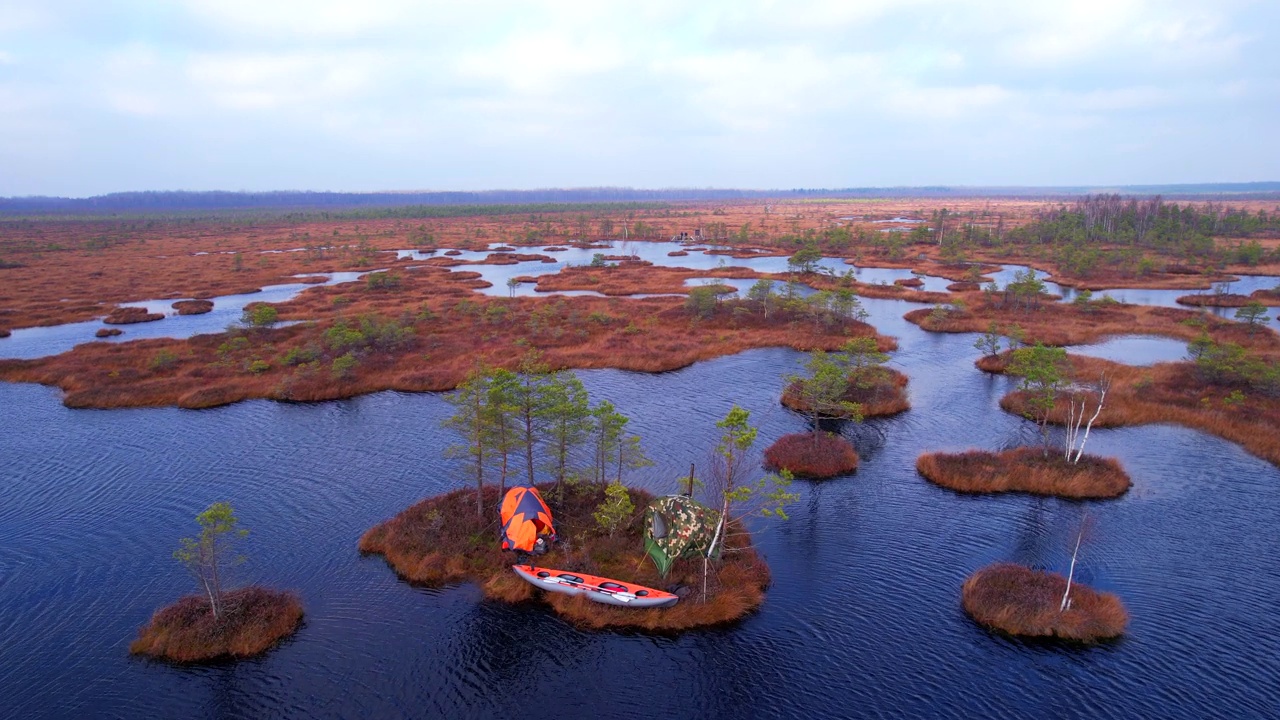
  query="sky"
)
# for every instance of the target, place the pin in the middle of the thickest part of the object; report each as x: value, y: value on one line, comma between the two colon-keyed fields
x: 100, y: 96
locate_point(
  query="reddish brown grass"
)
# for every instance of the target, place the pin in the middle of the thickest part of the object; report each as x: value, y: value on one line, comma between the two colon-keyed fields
x: 253, y: 620
x: 130, y: 315
x: 443, y: 540
x: 1230, y: 300
x: 74, y: 269
x: 1062, y: 324
x: 1021, y: 601
x: 193, y: 307
x: 817, y: 455
x: 1223, y: 300
x: 453, y: 328
x: 994, y: 364
x: 1025, y: 469
x: 108, y: 332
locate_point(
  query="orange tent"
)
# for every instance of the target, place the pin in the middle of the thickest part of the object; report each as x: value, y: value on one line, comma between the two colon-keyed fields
x: 525, y: 519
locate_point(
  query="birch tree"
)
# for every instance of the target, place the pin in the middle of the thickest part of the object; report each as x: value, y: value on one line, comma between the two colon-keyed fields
x: 1077, y: 410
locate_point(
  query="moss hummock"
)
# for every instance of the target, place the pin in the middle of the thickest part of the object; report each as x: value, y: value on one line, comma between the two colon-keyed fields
x: 1026, y: 469
x: 1021, y: 601
x: 253, y: 620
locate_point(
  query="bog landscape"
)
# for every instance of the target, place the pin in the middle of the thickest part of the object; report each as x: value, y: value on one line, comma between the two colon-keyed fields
x: 1023, y: 434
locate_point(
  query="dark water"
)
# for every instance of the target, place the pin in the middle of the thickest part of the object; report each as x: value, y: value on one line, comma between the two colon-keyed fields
x: 863, y: 618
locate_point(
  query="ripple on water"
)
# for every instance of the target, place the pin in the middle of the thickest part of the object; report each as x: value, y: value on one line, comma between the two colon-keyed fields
x: 863, y: 613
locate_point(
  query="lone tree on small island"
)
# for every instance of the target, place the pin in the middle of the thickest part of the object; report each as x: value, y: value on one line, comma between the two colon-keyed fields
x: 1019, y: 600
x: 211, y: 554
x: 850, y: 384
x: 217, y: 623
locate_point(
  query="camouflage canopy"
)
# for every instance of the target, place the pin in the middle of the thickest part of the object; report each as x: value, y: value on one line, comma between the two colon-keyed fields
x: 677, y: 526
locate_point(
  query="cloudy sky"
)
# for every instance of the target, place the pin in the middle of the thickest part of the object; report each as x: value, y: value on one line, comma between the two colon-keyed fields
x: 99, y: 96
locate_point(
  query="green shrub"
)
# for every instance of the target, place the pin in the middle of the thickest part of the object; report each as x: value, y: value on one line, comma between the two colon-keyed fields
x: 342, y: 337
x: 163, y: 360
x: 615, y: 509
x: 239, y: 343
x: 702, y: 301
x: 344, y: 365
x: 259, y: 315
x: 383, y: 281
x: 302, y: 355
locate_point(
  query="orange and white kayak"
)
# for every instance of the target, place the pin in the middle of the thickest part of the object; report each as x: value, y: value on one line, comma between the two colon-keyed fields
x: 599, y: 589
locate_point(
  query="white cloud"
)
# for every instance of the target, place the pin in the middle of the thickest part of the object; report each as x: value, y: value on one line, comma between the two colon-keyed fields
x: 932, y: 104
x: 720, y: 89
x: 341, y: 18
x: 24, y: 16
x: 260, y: 81
x: 539, y: 62
x: 135, y: 80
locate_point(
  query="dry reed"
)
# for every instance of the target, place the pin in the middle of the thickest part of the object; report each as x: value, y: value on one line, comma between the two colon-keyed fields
x: 1025, y: 469
x: 1021, y: 601
x: 816, y: 455
x: 253, y: 620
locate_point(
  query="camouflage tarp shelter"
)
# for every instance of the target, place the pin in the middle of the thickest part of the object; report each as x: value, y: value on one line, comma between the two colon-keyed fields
x: 677, y: 526
x: 525, y: 519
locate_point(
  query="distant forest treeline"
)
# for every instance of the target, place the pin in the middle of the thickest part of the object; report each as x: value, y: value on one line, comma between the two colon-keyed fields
x: 170, y: 201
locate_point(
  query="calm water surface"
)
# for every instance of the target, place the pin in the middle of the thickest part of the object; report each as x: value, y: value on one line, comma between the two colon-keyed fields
x: 863, y: 618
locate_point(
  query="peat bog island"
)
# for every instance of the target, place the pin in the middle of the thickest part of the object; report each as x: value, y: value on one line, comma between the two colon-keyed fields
x: 718, y: 360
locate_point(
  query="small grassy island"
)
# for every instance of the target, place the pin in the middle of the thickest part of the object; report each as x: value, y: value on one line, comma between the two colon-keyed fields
x: 252, y: 621
x: 1026, y: 469
x: 131, y: 315
x: 879, y: 393
x: 848, y: 385
x: 1021, y: 601
x: 193, y: 307
x: 218, y: 624
x: 444, y: 540
x: 815, y: 455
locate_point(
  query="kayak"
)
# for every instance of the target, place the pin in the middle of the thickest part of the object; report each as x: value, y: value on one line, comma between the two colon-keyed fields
x: 601, y: 590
